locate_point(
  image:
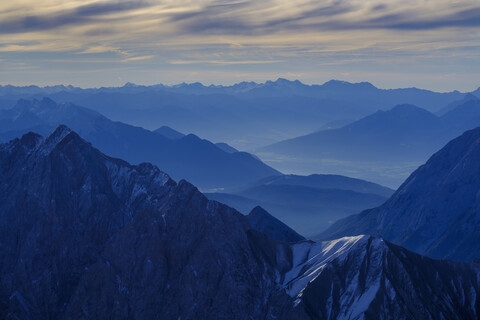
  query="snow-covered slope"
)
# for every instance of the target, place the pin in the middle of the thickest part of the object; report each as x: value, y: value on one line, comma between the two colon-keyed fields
x: 367, y: 278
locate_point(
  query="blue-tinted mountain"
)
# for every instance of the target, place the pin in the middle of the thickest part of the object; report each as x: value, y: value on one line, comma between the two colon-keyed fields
x: 477, y: 92
x: 367, y: 278
x: 436, y: 211
x: 384, y: 147
x: 189, y: 157
x: 264, y: 222
x: 402, y: 133
x: 245, y: 115
x: 225, y: 147
x: 169, y: 133
x: 84, y: 235
x: 466, y: 115
x: 307, y: 204
x: 324, y: 181
x: 451, y: 106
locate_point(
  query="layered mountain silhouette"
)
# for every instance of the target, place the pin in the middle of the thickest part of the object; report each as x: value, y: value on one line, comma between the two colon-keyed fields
x: 84, y: 235
x: 169, y: 133
x: 436, y: 211
x: 246, y: 115
x: 188, y: 157
x: 308, y: 204
x: 396, y: 137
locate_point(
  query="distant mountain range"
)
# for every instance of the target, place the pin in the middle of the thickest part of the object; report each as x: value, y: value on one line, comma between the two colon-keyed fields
x: 247, y: 115
x: 308, y: 204
x: 403, y: 134
x: 169, y: 133
x: 84, y: 235
x: 187, y: 157
x: 436, y: 211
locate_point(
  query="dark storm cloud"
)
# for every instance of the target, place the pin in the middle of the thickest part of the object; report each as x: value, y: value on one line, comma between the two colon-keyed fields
x: 81, y: 15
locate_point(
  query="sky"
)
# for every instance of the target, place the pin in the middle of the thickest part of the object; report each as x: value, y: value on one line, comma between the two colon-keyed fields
x: 431, y: 44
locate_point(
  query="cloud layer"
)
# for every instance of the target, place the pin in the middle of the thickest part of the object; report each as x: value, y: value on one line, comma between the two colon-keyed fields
x: 257, y: 38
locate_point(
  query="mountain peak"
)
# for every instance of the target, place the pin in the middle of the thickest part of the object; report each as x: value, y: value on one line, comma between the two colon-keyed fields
x: 435, y: 211
x: 31, y: 139
x: 407, y: 109
x: 264, y: 222
x: 340, y: 84
x: 59, y: 133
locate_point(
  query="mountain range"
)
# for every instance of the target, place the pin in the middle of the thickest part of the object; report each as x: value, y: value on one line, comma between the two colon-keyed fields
x: 84, y: 235
x: 186, y: 157
x: 404, y: 134
x: 435, y: 212
x: 308, y: 204
x: 246, y: 115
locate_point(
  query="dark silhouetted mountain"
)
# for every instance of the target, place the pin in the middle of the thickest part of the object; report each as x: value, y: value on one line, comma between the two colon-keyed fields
x: 307, y: 204
x: 264, y: 222
x: 225, y: 147
x: 367, y: 278
x: 169, y: 133
x: 189, y: 157
x: 83, y: 236
x: 436, y: 211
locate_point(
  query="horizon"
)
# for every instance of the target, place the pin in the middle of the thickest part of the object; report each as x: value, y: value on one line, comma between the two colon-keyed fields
x: 220, y: 85
x: 108, y: 43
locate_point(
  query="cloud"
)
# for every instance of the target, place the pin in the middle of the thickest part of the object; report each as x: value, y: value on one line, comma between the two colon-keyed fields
x: 275, y: 37
x: 138, y: 58
x: 99, y: 49
x: 250, y: 18
x: 220, y: 62
x: 84, y: 14
x: 408, y: 21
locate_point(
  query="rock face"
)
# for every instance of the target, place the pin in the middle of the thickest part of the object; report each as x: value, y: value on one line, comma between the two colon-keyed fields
x: 436, y: 211
x: 367, y: 278
x: 86, y: 236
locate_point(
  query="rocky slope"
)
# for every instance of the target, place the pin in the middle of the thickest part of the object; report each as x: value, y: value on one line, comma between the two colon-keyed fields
x: 437, y: 209
x: 86, y: 236
x: 367, y: 278
x: 264, y: 222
